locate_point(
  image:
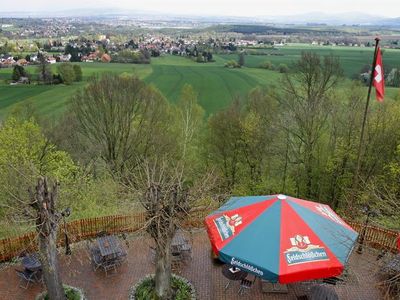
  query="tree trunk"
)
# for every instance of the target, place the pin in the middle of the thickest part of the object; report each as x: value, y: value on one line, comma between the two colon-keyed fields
x: 43, y: 200
x: 163, y: 271
x: 308, y: 169
x: 286, y: 163
x: 50, y: 267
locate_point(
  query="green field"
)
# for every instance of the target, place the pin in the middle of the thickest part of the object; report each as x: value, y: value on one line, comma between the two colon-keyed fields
x: 50, y: 100
x: 215, y: 85
x: 352, y: 58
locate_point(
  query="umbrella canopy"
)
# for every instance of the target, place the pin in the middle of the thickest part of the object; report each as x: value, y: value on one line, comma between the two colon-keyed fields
x: 281, y: 238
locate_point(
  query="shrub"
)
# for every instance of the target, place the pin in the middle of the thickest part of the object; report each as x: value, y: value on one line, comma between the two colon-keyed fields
x: 78, y: 72
x: 199, y: 58
x: 232, y: 64
x: 67, y: 73
x: 144, y: 290
x: 267, y: 65
x: 282, y: 68
x: 135, y: 57
x: 181, y: 288
x: 18, y: 72
x: 71, y: 293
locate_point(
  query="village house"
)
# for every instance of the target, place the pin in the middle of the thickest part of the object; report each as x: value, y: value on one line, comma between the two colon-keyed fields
x: 91, y: 57
x: 105, y: 58
x: 51, y: 60
x: 65, y: 57
x: 22, y: 62
x: 33, y: 58
x: 8, y: 62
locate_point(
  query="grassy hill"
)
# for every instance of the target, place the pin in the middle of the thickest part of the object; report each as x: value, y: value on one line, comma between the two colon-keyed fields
x: 215, y: 85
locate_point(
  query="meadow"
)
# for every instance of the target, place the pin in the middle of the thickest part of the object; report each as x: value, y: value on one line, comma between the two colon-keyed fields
x: 50, y: 100
x: 215, y: 85
x: 352, y: 59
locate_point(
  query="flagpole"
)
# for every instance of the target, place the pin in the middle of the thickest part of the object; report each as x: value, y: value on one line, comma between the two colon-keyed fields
x: 360, y: 146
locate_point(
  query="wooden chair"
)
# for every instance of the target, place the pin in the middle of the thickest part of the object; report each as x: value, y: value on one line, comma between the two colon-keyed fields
x: 322, y: 292
x: 176, y: 261
x: 185, y: 252
x: 270, y: 287
x: 121, y: 256
x: 97, y: 260
x: 246, y: 283
x: 94, y: 255
x: 109, y: 265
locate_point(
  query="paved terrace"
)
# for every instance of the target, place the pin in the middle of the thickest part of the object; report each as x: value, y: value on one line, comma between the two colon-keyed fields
x: 205, y: 275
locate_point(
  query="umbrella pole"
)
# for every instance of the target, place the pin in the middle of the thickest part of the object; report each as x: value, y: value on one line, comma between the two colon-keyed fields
x: 362, y: 236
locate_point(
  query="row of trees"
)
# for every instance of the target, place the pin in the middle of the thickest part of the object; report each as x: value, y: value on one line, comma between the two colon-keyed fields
x: 392, y: 75
x: 142, y: 56
x: 67, y: 73
x: 268, y: 65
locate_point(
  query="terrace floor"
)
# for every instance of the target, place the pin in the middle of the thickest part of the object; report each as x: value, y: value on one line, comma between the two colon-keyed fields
x: 201, y: 271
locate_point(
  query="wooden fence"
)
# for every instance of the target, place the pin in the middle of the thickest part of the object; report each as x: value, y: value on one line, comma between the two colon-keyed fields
x: 378, y: 237
x: 89, y: 228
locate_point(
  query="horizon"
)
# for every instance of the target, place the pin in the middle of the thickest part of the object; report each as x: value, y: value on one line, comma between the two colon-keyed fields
x: 210, y: 8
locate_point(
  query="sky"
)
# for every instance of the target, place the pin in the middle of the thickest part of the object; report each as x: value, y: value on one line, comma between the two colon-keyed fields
x: 387, y: 8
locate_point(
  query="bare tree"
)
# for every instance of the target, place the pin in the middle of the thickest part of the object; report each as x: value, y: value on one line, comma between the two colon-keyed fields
x: 111, y: 111
x: 225, y: 141
x: 306, y: 99
x: 383, y: 198
x: 259, y: 133
x: 345, y: 122
x: 37, y: 208
x: 190, y: 117
x: 168, y: 199
x: 43, y: 200
x: 44, y: 70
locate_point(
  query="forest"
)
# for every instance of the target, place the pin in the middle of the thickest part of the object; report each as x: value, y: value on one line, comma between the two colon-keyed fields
x: 299, y: 137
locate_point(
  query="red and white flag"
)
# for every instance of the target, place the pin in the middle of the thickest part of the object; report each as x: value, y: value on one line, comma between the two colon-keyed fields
x: 379, y: 80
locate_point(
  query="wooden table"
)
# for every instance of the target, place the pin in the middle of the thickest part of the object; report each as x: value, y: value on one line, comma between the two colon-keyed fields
x: 179, y: 238
x: 270, y: 287
x: 179, y: 242
x: 109, y: 246
x: 238, y: 275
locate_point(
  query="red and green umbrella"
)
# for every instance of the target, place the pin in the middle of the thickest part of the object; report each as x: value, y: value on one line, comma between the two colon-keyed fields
x: 281, y: 238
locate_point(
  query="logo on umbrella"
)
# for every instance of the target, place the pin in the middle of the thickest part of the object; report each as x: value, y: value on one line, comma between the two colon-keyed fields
x: 302, y: 251
x: 326, y: 211
x: 226, y: 225
x: 300, y: 241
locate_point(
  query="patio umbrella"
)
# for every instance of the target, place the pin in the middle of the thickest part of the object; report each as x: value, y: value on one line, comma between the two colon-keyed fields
x: 281, y: 238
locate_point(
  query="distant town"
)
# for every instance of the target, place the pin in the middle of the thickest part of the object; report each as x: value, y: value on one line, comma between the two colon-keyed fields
x: 80, y: 39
